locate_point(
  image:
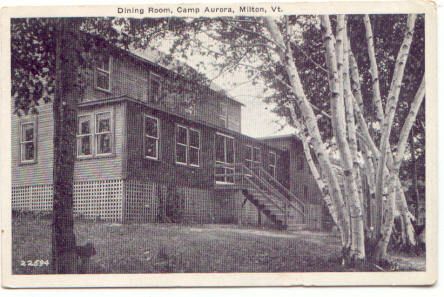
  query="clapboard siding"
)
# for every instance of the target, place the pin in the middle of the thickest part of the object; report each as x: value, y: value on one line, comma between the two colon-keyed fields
x: 41, y: 171
x: 130, y: 77
x: 109, y: 167
x: 298, y: 178
x: 165, y: 170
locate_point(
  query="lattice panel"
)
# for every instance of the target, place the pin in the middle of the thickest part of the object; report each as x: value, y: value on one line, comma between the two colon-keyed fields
x: 142, y: 201
x: 99, y: 199
x: 198, y: 204
x: 32, y: 198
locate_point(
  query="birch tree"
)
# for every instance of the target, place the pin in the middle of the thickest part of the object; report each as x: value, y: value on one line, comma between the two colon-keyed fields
x: 271, y: 52
x: 315, y: 71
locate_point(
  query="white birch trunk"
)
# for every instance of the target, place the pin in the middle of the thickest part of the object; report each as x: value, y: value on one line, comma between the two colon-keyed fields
x: 336, y: 88
x: 358, y: 105
x: 373, y: 69
x: 312, y: 129
x: 387, y: 221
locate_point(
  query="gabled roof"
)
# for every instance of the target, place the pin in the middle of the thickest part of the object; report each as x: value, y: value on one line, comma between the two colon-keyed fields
x: 158, y: 58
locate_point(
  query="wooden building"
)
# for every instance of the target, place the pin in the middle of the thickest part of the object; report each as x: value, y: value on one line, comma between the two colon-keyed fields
x: 145, y: 154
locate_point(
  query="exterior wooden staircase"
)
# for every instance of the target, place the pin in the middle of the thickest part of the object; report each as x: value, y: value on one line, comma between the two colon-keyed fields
x: 273, y: 199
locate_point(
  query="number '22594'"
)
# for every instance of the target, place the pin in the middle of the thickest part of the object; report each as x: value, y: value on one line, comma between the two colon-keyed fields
x: 35, y: 263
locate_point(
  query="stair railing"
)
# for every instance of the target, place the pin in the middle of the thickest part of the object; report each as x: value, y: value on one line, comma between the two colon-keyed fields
x: 291, y: 196
x: 258, y: 173
x: 261, y: 180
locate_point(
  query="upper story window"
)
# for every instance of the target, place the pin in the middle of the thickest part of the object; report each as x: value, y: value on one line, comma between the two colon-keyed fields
x: 84, y: 136
x: 155, y: 87
x: 103, y: 73
x: 95, y: 135
x: 190, y: 104
x: 151, y: 137
x: 28, y: 147
x: 272, y: 163
x: 301, y: 164
x: 223, y: 116
x: 187, y: 146
x: 252, y: 156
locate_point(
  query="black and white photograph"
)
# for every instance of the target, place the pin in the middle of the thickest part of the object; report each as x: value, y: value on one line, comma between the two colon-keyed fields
x: 251, y: 140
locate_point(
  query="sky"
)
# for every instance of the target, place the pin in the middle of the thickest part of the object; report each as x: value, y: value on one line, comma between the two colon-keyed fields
x: 257, y: 118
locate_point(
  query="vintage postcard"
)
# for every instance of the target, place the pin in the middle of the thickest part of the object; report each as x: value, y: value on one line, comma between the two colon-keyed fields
x: 255, y: 144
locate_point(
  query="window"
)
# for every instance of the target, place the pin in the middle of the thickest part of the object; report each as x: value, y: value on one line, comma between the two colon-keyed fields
x: 103, y: 133
x: 252, y: 156
x: 223, y: 116
x: 194, y: 147
x: 27, y: 142
x: 301, y: 162
x: 187, y: 146
x: 224, y: 146
x: 190, y: 107
x: 151, y: 137
x: 257, y: 155
x: 95, y: 135
x: 103, y: 73
x: 155, y: 88
x: 84, y: 136
x: 272, y: 163
x: 305, y: 192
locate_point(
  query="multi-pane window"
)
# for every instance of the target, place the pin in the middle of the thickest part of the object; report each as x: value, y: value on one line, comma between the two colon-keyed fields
x: 187, y: 146
x: 155, y: 88
x: 27, y: 142
x: 224, y: 146
x: 84, y: 136
x: 103, y: 133
x: 95, y: 134
x: 194, y: 147
x: 151, y: 137
x: 223, y: 116
x: 252, y: 156
x: 272, y: 163
x: 103, y: 73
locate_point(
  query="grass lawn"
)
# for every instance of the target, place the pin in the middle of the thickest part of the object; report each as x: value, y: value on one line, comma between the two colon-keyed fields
x: 151, y: 248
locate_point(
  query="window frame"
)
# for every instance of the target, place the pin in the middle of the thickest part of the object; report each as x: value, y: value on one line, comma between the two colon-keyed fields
x: 250, y: 158
x: 225, y: 136
x: 97, y: 134
x: 305, y: 192
x: 149, y: 136
x: 301, y: 163
x: 187, y: 146
x: 98, y: 68
x: 94, y: 148
x: 274, y: 164
x: 22, y: 142
x: 223, y: 116
x: 91, y: 135
x: 190, y: 146
x: 158, y: 78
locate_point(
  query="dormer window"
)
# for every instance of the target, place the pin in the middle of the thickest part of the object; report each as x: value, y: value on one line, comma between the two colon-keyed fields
x: 155, y: 88
x: 103, y: 73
